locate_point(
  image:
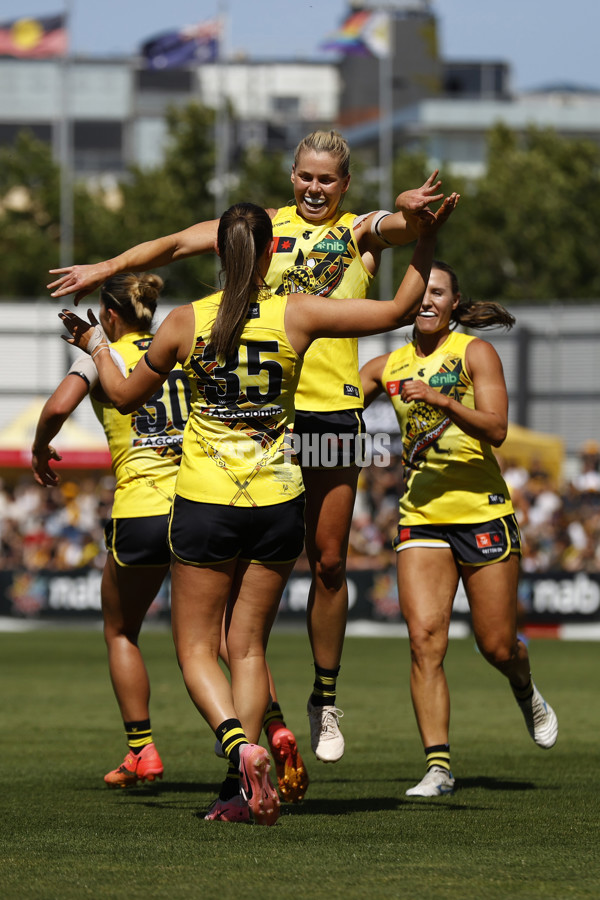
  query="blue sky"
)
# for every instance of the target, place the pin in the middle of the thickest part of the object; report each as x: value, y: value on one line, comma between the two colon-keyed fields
x: 544, y: 41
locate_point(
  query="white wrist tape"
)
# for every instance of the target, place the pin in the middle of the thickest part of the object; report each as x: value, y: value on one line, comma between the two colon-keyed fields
x: 98, y: 337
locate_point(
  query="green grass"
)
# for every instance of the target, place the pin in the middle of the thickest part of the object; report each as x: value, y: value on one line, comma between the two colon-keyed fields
x: 523, y: 823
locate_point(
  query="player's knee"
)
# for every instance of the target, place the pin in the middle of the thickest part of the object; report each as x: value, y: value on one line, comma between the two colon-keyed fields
x: 428, y: 645
x: 501, y: 655
x: 331, y: 571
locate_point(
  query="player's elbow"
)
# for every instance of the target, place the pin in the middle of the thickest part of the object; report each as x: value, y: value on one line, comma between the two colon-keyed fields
x: 498, y: 435
x: 58, y: 411
x: 123, y: 403
x: 125, y: 407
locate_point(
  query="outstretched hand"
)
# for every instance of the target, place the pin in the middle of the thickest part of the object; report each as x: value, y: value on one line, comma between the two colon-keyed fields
x: 78, y: 280
x: 426, y: 221
x: 88, y: 336
x: 419, y: 198
x: 43, y: 472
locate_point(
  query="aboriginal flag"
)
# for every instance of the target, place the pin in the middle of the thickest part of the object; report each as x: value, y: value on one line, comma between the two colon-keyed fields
x: 34, y: 38
x: 192, y: 44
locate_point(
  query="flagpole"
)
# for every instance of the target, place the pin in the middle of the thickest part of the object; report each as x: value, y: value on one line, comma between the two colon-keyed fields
x: 66, y: 149
x: 222, y: 120
x: 386, y: 152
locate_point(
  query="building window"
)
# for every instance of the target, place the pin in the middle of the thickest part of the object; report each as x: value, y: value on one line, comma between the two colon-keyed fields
x: 165, y: 80
x: 286, y: 106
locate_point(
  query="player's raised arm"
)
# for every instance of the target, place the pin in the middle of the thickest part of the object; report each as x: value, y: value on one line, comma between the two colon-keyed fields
x: 308, y: 317
x: 169, y: 345
x: 387, y: 229
x: 82, y: 280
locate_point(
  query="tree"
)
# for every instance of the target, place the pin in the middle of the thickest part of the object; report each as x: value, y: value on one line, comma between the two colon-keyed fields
x: 528, y: 229
x: 263, y: 177
x: 29, y: 188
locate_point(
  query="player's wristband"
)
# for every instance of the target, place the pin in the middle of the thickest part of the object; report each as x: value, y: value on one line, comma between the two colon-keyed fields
x: 376, y: 225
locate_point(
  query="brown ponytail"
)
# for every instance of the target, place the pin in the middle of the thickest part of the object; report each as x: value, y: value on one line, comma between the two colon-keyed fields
x: 243, y: 235
x: 475, y: 314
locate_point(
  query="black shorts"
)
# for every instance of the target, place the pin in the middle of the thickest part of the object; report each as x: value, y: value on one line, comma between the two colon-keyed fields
x: 329, y: 440
x: 202, y: 534
x: 472, y: 545
x: 139, y: 542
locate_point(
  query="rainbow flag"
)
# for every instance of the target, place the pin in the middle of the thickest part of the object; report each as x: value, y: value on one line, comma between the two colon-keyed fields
x: 34, y: 38
x: 363, y: 33
x: 347, y: 38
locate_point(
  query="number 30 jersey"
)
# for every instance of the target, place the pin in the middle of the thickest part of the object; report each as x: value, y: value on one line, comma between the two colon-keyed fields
x: 145, y: 445
x: 237, y: 448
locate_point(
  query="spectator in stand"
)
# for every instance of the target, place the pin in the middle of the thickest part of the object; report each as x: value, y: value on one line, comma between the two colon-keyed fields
x: 588, y: 479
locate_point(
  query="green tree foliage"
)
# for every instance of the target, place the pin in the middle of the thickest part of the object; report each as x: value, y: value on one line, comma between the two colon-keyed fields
x: 527, y: 230
x: 411, y: 170
x: 173, y: 196
x: 30, y: 218
x: 262, y: 177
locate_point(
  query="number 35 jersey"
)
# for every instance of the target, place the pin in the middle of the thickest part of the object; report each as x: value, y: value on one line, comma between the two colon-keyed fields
x: 145, y: 445
x: 237, y: 448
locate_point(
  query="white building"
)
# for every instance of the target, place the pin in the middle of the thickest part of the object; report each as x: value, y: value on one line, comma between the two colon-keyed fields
x: 453, y: 131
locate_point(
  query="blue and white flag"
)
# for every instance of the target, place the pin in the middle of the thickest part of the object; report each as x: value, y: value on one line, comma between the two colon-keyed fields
x: 191, y: 44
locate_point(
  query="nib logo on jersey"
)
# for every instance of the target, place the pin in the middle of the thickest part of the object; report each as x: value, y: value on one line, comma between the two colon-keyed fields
x: 330, y: 245
x: 441, y: 379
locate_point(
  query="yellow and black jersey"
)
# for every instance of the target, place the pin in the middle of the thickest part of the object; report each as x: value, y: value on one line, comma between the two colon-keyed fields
x: 237, y: 447
x: 321, y: 258
x: 145, y: 445
x: 451, y: 478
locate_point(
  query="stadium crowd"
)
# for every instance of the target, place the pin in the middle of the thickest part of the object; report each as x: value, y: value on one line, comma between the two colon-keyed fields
x: 560, y: 524
x: 61, y: 528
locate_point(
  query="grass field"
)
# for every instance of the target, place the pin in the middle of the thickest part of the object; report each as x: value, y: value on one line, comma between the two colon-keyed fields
x: 523, y: 823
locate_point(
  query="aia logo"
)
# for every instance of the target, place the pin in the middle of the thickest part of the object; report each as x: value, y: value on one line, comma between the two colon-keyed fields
x: 394, y: 388
x: 486, y: 540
